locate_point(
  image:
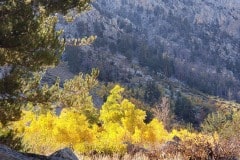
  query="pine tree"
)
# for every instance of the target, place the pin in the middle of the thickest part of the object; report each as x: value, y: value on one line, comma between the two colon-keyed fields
x: 29, y: 42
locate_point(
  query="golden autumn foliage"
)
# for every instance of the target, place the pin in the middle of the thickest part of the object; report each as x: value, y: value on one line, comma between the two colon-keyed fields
x: 121, y: 113
x: 49, y: 132
x: 120, y: 121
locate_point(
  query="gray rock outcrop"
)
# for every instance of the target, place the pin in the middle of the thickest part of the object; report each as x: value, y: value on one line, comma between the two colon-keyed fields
x: 9, y: 154
x: 63, y: 154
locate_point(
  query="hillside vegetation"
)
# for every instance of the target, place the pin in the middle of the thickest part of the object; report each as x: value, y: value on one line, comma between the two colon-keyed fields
x: 120, y: 127
x: 147, y: 69
x: 195, y: 42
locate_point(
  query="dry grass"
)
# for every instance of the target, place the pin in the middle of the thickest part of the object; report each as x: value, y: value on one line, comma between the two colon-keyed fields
x: 137, y: 156
x: 178, y: 151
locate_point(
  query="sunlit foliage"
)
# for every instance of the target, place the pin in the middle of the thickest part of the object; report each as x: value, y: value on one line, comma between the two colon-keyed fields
x: 48, y: 132
x: 120, y: 122
x: 119, y: 125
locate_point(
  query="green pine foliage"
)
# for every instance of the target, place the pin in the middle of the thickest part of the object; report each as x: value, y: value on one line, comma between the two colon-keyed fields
x: 29, y: 42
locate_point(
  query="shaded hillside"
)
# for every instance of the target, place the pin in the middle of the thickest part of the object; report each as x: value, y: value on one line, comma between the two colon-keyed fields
x: 194, y: 42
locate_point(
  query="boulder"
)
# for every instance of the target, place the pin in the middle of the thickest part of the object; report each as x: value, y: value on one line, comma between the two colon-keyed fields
x: 63, y: 154
x: 8, y: 154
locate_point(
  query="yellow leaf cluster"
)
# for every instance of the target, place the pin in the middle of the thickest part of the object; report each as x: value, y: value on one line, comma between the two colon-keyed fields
x: 110, y: 139
x: 48, y: 132
x: 119, y: 121
x: 194, y: 138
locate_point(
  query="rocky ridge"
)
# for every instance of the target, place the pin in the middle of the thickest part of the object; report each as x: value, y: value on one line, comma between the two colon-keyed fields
x: 200, y: 39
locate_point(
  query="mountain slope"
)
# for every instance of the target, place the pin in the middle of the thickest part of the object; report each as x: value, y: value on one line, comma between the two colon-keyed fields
x: 196, y: 42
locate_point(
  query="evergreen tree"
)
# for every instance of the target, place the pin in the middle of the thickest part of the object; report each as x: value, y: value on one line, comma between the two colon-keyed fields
x: 29, y: 42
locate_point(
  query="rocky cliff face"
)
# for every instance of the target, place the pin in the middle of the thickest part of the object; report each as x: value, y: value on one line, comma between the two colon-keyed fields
x: 197, y: 42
